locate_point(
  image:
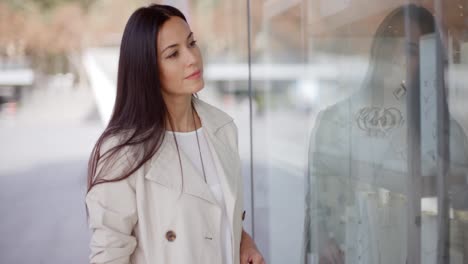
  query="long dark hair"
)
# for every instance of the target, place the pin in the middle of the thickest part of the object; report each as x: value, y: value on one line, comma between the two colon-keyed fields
x: 140, y: 113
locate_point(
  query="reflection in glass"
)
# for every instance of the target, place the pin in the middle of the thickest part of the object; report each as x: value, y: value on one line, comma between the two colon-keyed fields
x: 361, y: 191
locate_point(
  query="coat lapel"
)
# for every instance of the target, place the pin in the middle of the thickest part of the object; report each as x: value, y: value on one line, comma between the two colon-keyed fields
x: 223, y: 157
x: 165, y: 170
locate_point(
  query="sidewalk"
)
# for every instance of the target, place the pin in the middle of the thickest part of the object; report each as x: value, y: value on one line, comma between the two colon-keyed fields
x: 49, y: 125
x: 44, y: 153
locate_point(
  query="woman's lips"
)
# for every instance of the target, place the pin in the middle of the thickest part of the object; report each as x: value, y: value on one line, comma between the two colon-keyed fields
x: 194, y: 75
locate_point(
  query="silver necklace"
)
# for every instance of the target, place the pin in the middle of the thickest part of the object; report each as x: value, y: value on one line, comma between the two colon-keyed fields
x: 199, y: 149
x: 198, y: 143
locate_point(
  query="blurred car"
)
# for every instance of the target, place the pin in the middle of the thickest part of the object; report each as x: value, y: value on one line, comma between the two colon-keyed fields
x: 14, y: 77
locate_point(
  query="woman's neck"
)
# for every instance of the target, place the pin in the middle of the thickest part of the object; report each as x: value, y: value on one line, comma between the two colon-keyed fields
x: 182, y: 114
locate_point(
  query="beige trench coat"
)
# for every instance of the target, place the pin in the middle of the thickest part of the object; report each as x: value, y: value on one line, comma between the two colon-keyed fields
x: 146, y: 219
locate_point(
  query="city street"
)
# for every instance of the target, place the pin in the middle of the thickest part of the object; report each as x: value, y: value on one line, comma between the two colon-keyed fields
x: 44, y: 152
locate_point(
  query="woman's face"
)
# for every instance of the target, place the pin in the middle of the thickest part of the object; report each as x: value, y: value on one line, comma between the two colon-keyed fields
x: 179, y: 58
x: 400, y: 54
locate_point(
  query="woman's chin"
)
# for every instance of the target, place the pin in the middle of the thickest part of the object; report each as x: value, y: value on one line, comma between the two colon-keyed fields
x: 199, y: 87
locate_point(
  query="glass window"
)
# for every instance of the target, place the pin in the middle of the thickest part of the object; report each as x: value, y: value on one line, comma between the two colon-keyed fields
x: 359, y: 131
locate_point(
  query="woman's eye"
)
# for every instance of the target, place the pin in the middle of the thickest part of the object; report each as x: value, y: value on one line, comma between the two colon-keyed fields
x: 173, y: 55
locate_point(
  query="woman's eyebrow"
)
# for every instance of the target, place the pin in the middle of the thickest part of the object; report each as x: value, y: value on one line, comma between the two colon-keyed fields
x: 175, y: 45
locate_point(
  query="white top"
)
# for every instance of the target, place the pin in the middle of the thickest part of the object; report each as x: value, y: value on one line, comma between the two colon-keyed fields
x: 187, y: 142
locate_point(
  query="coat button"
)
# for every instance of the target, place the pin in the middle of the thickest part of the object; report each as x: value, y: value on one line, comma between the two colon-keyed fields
x: 170, y: 235
x: 243, y: 216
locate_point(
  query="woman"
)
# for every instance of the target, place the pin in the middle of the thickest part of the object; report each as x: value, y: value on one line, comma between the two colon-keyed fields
x: 164, y: 181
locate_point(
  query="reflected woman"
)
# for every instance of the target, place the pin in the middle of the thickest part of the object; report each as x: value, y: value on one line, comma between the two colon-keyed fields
x: 164, y: 182
x: 358, y: 192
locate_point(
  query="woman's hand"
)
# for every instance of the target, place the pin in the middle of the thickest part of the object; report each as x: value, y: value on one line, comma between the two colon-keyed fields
x: 249, y: 253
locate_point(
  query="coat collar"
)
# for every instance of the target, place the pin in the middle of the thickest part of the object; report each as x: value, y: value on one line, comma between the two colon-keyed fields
x: 211, y: 117
x: 165, y: 169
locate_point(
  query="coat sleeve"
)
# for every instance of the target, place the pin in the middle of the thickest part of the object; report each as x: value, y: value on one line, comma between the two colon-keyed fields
x: 112, y: 217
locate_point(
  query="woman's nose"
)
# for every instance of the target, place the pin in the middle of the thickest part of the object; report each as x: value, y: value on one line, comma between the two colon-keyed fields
x: 191, y: 57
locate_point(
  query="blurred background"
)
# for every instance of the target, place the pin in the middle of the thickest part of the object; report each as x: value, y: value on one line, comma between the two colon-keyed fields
x: 273, y: 65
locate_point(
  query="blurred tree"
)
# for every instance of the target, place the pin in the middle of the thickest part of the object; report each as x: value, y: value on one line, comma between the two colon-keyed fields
x: 50, y: 35
x: 47, y: 4
x: 47, y: 32
x: 43, y: 31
